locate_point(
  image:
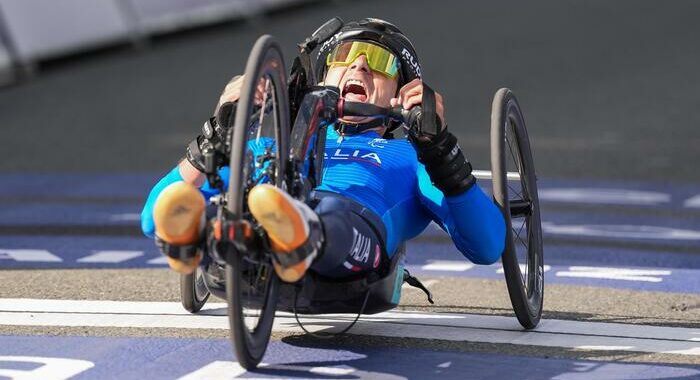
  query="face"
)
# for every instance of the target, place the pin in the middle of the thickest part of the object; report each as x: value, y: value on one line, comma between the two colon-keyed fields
x: 359, y: 83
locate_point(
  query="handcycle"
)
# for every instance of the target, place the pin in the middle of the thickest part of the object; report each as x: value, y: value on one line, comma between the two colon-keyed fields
x: 262, y: 147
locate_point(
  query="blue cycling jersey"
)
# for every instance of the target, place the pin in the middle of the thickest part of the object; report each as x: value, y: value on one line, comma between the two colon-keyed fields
x: 386, y: 177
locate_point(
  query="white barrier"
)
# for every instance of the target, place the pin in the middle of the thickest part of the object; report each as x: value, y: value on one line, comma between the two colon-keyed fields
x: 43, y: 29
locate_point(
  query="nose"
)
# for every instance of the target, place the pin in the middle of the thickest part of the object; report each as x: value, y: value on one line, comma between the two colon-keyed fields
x: 360, y: 64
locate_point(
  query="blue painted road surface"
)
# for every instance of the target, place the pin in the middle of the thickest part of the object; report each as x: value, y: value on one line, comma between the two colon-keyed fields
x: 135, y: 186
x: 576, y: 265
x: 654, y: 246
x: 173, y: 358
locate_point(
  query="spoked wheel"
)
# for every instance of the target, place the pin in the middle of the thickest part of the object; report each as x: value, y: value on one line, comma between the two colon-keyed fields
x: 259, y: 146
x: 193, y: 290
x: 515, y: 190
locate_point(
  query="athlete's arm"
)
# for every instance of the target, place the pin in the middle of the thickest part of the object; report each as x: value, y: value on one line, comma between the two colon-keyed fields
x: 472, y: 219
x: 191, y: 169
x: 184, y: 172
x: 448, y: 189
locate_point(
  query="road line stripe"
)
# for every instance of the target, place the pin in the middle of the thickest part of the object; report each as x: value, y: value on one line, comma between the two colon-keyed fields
x: 217, y: 370
x: 523, y: 267
x: 603, y: 196
x: 160, y: 260
x: 628, y: 274
x: 621, y: 231
x: 693, y: 202
x: 110, y: 257
x: 448, y: 265
x: 29, y: 255
x: 454, y: 327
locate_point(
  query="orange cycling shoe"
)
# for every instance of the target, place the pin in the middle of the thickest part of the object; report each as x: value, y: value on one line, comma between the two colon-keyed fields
x: 179, y: 219
x: 293, y: 229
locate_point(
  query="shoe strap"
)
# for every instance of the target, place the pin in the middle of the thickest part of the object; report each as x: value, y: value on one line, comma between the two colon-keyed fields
x: 179, y: 252
x: 313, y: 244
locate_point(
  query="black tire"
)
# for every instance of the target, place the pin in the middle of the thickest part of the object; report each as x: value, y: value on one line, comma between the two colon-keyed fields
x: 251, y: 283
x: 510, y: 152
x: 193, y: 291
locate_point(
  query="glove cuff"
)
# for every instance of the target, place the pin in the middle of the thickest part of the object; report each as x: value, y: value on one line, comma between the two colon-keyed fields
x: 445, y: 163
x: 194, y: 154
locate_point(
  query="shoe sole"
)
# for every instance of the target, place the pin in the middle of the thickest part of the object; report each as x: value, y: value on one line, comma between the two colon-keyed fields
x: 179, y: 214
x: 275, y: 211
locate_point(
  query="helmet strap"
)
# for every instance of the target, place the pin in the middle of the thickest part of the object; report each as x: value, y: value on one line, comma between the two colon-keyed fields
x: 355, y: 128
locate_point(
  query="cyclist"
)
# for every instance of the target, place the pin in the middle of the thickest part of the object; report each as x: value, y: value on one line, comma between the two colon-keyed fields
x: 377, y: 192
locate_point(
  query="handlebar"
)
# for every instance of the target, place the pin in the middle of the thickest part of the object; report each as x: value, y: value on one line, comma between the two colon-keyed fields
x: 409, y: 117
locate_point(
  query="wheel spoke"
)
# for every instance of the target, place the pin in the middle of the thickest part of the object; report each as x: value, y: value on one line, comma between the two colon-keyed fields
x: 262, y: 109
x: 515, y: 158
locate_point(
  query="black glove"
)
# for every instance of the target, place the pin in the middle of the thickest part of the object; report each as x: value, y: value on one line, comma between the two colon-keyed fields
x: 214, y: 134
x: 444, y: 161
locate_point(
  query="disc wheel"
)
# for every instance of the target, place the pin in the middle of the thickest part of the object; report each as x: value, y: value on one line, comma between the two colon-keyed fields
x: 259, y: 146
x: 193, y: 290
x: 515, y: 191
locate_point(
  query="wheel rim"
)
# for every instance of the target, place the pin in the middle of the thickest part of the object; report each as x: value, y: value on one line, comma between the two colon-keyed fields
x: 200, y: 287
x: 524, y: 212
x: 257, y: 272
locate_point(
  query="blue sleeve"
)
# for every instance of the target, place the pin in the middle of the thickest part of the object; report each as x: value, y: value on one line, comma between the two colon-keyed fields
x: 472, y: 220
x: 147, y: 225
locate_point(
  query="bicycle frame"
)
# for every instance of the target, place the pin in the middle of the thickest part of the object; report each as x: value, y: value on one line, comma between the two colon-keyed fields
x: 308, y: 140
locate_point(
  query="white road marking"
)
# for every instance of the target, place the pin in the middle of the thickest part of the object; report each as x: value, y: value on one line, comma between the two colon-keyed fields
x: 160, y: 260
x: 605, y: 348
x: 221, y: 370
x: 342, y: 370
x: 693, y: 202
x: 448, y: 265
x: 452, y: 327
x: 218, y: 370
x: 29, y: 255
x: 546, y: 268
x: 627, y: 274
x: 621, y: 231
x: 49, y: 368
x: 132, y: 217
x: 603, y: 196
x: 111, y: 257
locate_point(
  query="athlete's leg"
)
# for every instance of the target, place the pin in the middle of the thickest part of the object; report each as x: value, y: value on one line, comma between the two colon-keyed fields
x: 337, y: 236
x: 353, y: 245
x: 293, y: 229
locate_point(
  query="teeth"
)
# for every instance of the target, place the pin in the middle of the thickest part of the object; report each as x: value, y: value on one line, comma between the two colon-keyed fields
x: 357, y: 82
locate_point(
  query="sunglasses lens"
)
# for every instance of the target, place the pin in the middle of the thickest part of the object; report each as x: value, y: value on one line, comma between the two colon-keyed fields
x: 379, y: 59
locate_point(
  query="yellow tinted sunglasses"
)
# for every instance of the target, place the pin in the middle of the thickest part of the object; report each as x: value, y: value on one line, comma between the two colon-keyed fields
x: 379, y: 59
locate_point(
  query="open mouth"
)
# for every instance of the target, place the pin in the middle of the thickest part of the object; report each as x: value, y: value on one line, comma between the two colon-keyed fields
x: 354, y: 90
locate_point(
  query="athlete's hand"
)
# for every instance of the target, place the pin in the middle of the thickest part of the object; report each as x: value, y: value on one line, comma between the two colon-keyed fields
x: 231, y: 93
x: 411, y: 95
x: 225, y: 108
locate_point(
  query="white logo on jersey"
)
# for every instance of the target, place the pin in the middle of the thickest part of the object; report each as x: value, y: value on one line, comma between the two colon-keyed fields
x: 376, y: 143
x: 355, y: 155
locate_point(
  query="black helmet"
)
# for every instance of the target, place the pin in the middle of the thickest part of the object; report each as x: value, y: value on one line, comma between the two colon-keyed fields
x: 380, y: 32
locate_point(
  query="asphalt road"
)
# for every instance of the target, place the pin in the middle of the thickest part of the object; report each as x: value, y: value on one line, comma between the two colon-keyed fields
x: 608, y: 88
x: 608, y: 94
